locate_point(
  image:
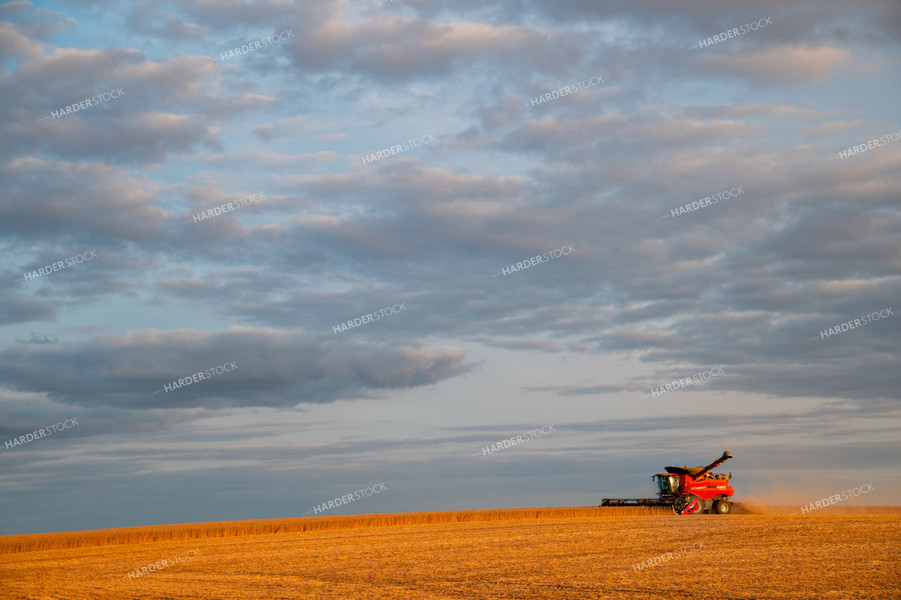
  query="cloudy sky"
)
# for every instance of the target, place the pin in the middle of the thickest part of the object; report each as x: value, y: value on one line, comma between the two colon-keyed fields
x: 325, y: 227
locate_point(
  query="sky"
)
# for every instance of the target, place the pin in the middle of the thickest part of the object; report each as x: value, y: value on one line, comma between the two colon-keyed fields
x: 286, y: 251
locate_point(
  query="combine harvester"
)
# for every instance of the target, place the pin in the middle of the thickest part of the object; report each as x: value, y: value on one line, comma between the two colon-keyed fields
x: 688, y: 490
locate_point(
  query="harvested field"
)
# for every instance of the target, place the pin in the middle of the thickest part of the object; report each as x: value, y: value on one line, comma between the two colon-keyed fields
x: 537, y: 553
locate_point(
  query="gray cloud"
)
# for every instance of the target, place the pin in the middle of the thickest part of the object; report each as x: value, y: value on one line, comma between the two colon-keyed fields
x: 150, y: 20
x: 272, y: 368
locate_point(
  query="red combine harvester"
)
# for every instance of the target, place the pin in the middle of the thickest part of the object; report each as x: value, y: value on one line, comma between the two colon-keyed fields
x: 688, y: 490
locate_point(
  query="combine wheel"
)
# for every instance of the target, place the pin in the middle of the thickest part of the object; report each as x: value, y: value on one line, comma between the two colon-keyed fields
x: 722, y: 507
x: 690, y: 503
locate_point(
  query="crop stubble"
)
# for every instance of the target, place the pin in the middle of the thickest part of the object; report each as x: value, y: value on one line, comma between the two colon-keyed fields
x: 744, y: 557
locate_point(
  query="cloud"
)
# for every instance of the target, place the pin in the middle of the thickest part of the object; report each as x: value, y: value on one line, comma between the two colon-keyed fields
x: 272, y: 368
x: 146, y: 19
x: 781, y: 65
x: 16, y: 307
x: 397, y: 48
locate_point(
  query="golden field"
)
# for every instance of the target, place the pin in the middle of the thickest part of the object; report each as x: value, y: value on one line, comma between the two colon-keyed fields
x: 564, y: 553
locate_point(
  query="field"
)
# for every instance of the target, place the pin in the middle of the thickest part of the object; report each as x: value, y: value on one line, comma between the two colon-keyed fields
x: 537, y: 553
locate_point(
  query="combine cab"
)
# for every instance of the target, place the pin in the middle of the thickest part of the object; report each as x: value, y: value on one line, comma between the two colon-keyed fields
x: 688, y: 490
